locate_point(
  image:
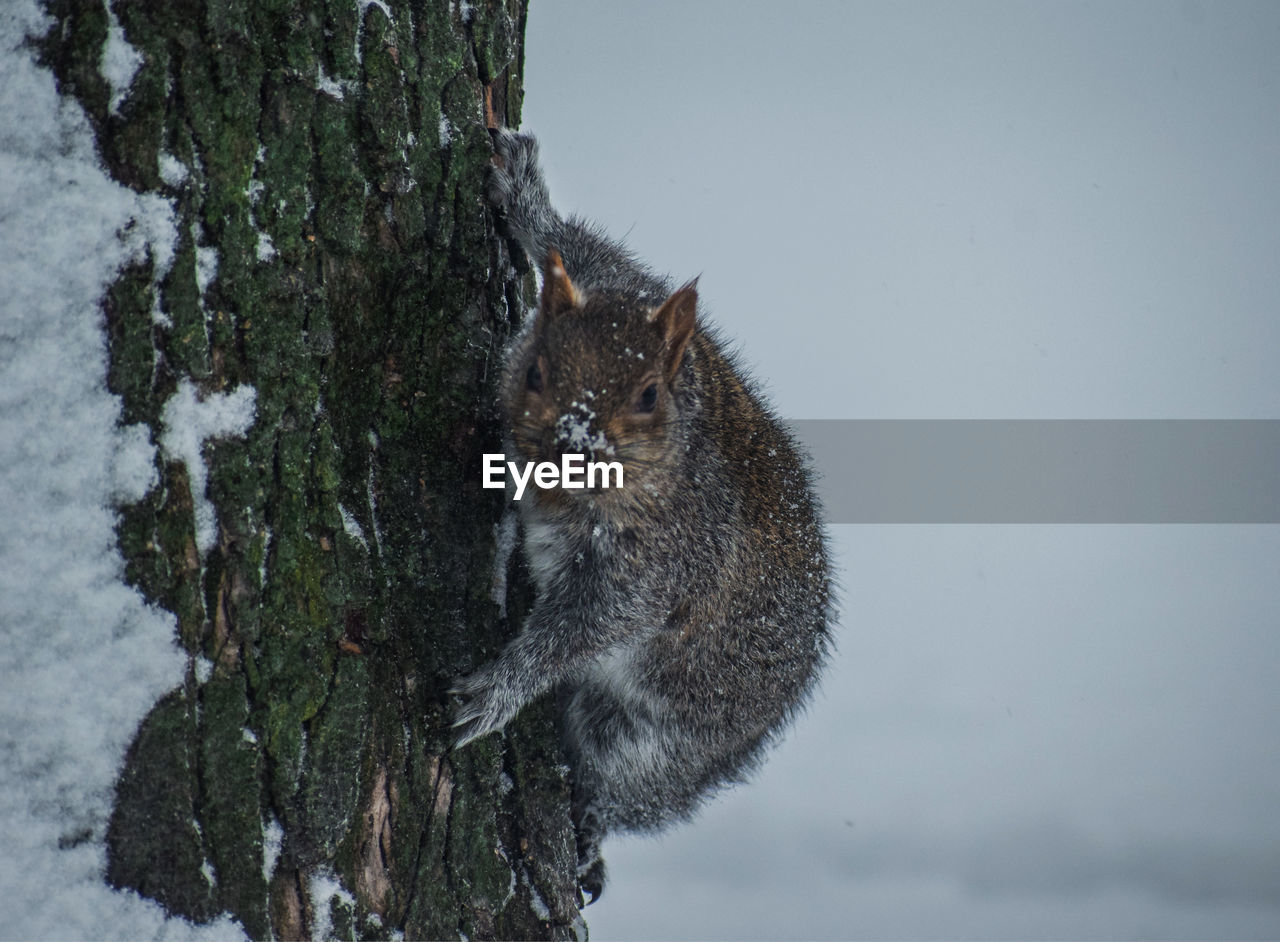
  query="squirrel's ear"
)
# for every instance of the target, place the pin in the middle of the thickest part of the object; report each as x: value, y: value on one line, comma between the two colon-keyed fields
x: 677, y: 317
x: 558, y: 292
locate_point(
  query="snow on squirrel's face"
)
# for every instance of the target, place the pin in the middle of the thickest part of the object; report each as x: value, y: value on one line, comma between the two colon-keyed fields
x: 594, y: 378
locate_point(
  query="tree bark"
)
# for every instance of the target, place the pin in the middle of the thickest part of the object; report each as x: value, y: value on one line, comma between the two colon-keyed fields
x: 326, y: 163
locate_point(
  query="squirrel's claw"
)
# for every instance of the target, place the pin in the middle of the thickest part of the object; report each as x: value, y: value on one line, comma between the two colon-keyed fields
x: 470, y: 724
x: 470, y: 730
x: 591, y: 882
x: 483, y: 709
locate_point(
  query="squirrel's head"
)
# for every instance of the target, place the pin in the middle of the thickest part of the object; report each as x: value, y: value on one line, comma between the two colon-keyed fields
x: 602, y: 375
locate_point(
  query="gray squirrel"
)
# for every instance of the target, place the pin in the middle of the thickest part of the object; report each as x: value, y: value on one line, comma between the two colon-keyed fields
x: 683, y: 617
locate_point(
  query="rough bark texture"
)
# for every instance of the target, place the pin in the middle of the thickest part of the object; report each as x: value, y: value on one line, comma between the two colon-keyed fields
x: 330, y: 156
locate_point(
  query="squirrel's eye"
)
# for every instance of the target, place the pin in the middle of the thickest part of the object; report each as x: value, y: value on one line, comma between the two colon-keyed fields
x: 648, y: 398
x: 533, y: 379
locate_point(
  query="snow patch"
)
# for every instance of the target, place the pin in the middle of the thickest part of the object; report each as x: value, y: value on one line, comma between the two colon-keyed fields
x: 172, y: 170
x: 133, y: 464
x: 504, y: 535
x: 578, y: 433
x: 120, y: 61
x: 203, y: 668
x: 539, y: 906
x: 84, y: 657
x: 371, y: 490
x: 335, y: 88
x: 206, y: 262
x: 352, y: 527
x: 267, y: 537
x: 324, y: 888
x: 266, y: 248
x: 189, y: 422
x: 272, y: 843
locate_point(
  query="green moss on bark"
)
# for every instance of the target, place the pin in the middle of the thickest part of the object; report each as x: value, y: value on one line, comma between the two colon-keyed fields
x: 330, y: 794
x: 127, y: 307
x: 158, y: 844
x: 231, y: 769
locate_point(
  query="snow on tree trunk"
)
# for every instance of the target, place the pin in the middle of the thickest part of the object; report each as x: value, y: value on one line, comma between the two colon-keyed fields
x: 317, y: 365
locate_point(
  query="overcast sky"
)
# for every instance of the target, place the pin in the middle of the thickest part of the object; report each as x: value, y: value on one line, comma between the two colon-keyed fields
x: 971, y: 211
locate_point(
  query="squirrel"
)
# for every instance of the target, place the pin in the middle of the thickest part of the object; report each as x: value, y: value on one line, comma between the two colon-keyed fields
x: 683, y: 617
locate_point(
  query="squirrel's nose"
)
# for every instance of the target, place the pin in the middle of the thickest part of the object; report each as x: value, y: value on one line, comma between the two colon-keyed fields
x: 554, y: 447
x: 557, y: 444
x: 559, y: 449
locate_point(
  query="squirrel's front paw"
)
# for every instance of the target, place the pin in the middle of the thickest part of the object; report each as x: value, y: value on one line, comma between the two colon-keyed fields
x: 517, y: 158
x: 485, y: 707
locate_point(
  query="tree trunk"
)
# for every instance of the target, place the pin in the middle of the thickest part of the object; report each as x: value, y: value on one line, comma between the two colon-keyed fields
x: 337, y: 267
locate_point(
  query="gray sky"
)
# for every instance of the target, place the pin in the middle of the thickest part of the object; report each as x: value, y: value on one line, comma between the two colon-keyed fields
x: 971, y: 211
